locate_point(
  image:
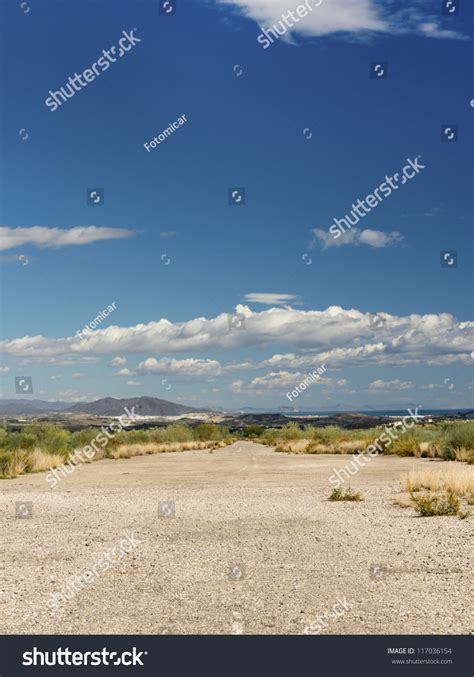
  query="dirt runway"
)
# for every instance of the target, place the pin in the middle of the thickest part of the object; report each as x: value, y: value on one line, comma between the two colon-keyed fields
x: 240, y: 540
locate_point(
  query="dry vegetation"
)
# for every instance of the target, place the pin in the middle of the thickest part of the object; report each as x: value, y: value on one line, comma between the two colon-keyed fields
x: 41, y: 447
x: 130, y: 450
x: 450, y: 441
x: 434, y: 505
x: 348, y: 494
x: 439, y: 491
x: 454, y: 477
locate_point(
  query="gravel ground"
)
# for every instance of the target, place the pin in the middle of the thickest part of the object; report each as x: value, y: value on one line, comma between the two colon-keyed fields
x: 250, y: 545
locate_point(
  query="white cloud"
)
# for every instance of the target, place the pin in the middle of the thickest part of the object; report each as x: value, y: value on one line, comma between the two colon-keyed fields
x: 278, y: 379
x: 55, y: 377
x: 236, y: 386
x: 187, y: 367
x: 356, y: 236
x: 4, y: 370
x: 44, y: 237
x: 271, y: 299
x: 123, y: 372
x: 359, y: 17
x: 432, y: 30
x: 168, y: 233
x: 60, y: 361
x: 133, y: 383
x: 335, y: 336
x: 394, y: 384
x: 77, y: 374
x: 286, y: 379
x: 117, y: 362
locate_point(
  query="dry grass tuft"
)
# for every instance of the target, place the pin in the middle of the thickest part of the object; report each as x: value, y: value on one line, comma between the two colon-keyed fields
x: 130, y: 450
x: 14, y: 464
x: 19, y: 462
x: 464, y: 455
x: 451, y: 476
x: 293, y: 446
x: 306, y: 446
x: 40, y: 460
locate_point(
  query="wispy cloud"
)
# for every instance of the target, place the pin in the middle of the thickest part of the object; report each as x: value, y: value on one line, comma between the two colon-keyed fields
x: 272, y: 299
x: 44, y: 237
x: 372, y: 238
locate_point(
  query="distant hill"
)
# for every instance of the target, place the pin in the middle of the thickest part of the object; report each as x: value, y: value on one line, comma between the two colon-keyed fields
x: 144, y: 406
x: 12, y: 407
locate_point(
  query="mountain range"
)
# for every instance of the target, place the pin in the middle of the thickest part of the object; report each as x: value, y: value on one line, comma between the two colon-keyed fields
x: 108, y: 406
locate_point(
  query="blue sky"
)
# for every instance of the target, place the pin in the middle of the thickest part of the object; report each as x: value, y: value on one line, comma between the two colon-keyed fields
x: 170, y: 329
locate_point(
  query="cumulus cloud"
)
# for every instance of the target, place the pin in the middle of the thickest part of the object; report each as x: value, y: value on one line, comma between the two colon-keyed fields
x: 283, y: 379
x: 124, y: 372
x: 187, y: 367
x: 357, y: 236
x: 346, y: 17
x: 117, y: 362
x: 133, y: 383
x: 271, y: 299
x: 335, y: 336
x: 394, y: 384
x: 44, y: 237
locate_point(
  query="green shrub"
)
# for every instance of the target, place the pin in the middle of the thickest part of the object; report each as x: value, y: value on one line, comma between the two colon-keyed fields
x: 83, y: 438
x: 458, y: 435
x: 311, y: 433
x: 349, y: 494
x: 131, y: 437
x: 177, y: 432
x: 405, y: 445
x: 24, y: 440
x: 208, y: 432
x: 291, y: 431
x: 270, y: 435
x: 51, y: 438
x: 428, y: 505
x: 253, y: 431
